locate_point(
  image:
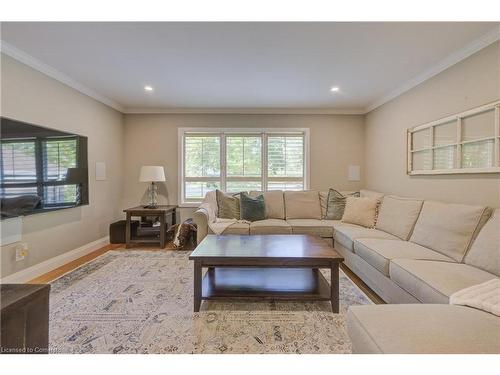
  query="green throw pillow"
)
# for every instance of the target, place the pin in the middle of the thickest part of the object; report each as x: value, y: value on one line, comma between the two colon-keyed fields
x: 228, y: 205
x: 335, y: 204
x: 252, y: 209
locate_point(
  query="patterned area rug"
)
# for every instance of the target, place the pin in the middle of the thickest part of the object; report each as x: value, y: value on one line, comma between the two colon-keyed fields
x: 141, y: 302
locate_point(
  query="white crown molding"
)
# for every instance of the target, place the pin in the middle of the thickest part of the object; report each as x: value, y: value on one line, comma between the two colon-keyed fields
x: 48, y: 70
x: 477, y: 45
x: 246, y: 111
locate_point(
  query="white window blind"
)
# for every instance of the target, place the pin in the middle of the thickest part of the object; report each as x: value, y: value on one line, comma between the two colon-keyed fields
x: 202, y: 165
x: 58, y: 156
x: 18, y: 168
x: 285, y: 166
x: 241, y: 160
x: 203, y: 153
x: 18, y: 162
x: 243, y: 163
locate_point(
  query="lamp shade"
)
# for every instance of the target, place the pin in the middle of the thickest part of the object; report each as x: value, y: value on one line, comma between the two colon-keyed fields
x: 152, y: 173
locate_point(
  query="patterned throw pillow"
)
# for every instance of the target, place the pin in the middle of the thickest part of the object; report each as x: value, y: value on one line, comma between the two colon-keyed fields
x: 335, y: 204
x: 252, y: 209
x: 228, y: 205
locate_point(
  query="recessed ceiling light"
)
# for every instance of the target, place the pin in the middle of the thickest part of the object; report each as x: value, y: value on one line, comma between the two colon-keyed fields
x: 334, y: 89
x: 148, y: 88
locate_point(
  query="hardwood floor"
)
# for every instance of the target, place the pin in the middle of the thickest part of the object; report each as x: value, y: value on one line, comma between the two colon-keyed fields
x: 58, y: 272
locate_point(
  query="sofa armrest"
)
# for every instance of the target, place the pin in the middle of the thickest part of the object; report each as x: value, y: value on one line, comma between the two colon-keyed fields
x: 201, y: 218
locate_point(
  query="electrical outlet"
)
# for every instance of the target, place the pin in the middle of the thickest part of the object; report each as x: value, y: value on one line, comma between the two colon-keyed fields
x: 21, y: 251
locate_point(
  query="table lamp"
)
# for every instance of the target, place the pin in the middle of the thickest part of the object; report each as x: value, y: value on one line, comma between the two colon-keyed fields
x: 153, y: 174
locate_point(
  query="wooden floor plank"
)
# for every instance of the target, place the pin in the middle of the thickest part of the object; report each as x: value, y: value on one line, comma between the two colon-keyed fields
x: 59, y: 271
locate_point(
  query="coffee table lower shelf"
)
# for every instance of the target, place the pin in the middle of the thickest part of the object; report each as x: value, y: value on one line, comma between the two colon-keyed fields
x: 303, y: 284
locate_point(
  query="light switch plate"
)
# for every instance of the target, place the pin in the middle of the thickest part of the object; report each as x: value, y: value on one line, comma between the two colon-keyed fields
x: 354, y: 173
x: 100, y: 171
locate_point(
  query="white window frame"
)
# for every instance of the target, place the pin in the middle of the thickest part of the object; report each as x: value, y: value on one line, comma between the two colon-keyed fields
x: 458, y: 144
x: 223, y: 132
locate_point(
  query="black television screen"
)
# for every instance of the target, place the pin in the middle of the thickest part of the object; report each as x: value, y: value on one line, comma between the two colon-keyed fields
x: 41, y: 169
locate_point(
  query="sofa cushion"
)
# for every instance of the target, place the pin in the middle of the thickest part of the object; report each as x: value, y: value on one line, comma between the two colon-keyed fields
x: 484, y: 252
x: 345, y: 234
x: 361, y: 211
x: 302, y: 205
x: 422, y: 329
x: 275, y: 204
x: 322, y: 228
x: 270, y: 226
x: 379, y: 252
x: 398, y: 215
x: 435, y: 281
x: 237, y: 228
x: 448, y: 228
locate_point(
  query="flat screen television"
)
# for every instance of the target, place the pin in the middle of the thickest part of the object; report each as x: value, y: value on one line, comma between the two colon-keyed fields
x: 41, y: 169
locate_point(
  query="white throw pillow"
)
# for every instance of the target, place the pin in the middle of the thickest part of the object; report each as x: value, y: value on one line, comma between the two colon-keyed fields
x: 361, y: 211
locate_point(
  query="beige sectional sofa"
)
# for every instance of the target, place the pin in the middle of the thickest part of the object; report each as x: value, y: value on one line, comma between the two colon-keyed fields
x: 419, y: 252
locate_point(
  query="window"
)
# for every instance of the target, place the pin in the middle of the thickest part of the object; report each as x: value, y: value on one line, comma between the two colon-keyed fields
x: 236, y: 160
x: 18, y: 165
x: 468, y: 142
x: 202, y: 166
x: 39, y: 166
x: 59, y: 155
x: 243, y: 163
x: 285, y: 162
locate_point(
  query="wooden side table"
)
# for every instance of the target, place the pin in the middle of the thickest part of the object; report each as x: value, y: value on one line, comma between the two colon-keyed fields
x: 161, y: 211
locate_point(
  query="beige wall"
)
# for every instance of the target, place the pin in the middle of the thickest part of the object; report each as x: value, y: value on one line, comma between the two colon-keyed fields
x: 30, y: 96
x: 336, y: 141
x: 470, y: 83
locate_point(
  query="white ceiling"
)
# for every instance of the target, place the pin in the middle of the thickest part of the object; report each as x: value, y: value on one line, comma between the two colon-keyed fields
x: 245, y: 65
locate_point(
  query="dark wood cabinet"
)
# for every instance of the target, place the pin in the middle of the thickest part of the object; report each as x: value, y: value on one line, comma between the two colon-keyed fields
x: 24, y: 318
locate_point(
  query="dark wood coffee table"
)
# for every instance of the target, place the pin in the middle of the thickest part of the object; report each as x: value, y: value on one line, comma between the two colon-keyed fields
x: 267, y: 267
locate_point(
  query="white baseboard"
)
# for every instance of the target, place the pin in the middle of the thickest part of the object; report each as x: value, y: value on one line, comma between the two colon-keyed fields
x: 48, y: 265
